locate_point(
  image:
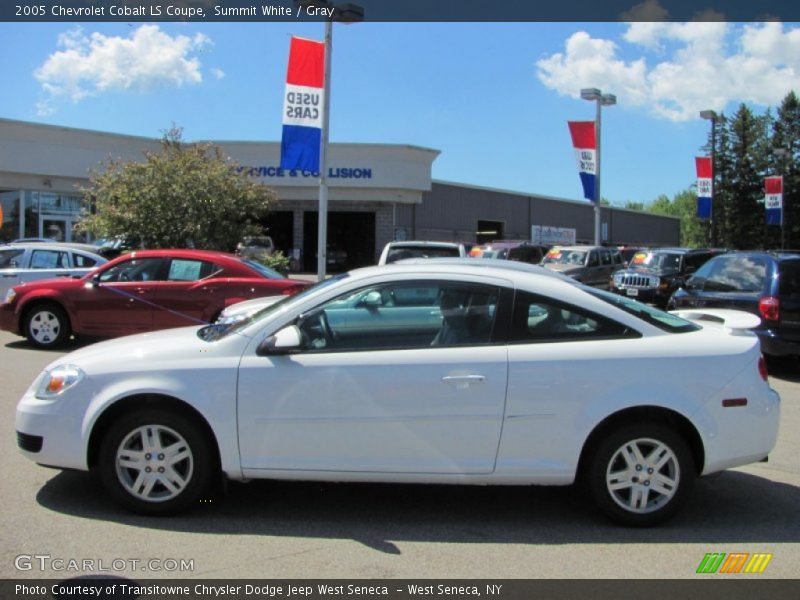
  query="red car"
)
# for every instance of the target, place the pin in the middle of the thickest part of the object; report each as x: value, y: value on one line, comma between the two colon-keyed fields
x: 137, y: 292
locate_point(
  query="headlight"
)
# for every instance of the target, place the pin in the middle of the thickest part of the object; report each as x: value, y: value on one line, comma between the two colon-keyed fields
x: 59, y: 380
x: 11, y: 295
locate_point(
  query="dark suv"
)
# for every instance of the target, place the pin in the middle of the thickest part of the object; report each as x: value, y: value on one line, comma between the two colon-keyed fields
x: 653, y: 275
x: 765, y: 284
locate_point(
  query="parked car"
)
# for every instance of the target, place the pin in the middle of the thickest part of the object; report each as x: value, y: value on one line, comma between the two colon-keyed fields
x: 23, y: 263
x: 765, y: 284
x: 394, y: 251
x: 515, y: 382
x: 140, y: 291
x: 592, y: 265
x: 111, y: 248
x: 255, y: 245
x: 511, y: 250
x: 653, y: 275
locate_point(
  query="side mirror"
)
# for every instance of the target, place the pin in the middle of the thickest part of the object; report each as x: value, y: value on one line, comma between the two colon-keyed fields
x: 372, y: 300
x: 285, y: 341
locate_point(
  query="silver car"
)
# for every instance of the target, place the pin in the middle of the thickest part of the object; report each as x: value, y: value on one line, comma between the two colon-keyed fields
x: 21, y: 263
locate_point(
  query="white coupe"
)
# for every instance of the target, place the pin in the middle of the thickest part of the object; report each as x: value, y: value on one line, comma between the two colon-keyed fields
x: 451, y: 371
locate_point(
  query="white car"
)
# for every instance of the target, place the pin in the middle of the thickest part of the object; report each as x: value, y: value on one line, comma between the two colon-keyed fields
x: 395, y: 251
x: 458, y: 371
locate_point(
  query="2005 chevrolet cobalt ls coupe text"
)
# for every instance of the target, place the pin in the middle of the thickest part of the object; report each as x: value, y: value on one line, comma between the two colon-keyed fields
x: 451, y: 371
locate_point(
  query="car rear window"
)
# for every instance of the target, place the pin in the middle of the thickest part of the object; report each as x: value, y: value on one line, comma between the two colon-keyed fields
x: 736, y: 274
x: 659, y: 318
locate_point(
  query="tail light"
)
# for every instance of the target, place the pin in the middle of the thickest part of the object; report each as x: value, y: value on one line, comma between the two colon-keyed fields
x: 762, y: 368
x: 770, y: 308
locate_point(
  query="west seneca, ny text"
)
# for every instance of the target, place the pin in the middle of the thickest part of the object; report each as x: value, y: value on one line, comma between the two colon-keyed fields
x: 152, y: 10
x: 96, y: 589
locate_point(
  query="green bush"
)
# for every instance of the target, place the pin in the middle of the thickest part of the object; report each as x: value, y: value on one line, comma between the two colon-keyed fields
x: 276, y: 261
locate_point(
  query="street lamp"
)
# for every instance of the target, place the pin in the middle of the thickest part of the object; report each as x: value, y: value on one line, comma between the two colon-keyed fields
x: 710, y: 115
x: 783, y: 154
x: 343, y: 13
x: 602, y: 100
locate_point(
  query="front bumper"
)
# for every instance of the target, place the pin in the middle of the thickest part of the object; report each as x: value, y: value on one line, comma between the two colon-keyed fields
x: 54, y: 427
x: 9, y: 320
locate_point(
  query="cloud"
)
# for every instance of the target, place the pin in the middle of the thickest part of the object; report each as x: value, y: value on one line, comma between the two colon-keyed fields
x: 87, y: 65
x: 218, y: 73
x: 694, y: 66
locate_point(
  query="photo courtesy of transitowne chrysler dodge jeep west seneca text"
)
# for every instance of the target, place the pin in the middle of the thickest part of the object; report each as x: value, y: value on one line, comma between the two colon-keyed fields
x: 424, y: 371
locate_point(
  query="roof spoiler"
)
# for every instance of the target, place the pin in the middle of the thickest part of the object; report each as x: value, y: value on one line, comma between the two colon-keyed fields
x: 735, y: 320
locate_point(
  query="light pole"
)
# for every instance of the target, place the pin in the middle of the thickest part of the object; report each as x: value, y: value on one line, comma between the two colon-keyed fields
x: 602, y: 100
x: 710, y: 115
x: 783, y: 154
x: 343, y: 13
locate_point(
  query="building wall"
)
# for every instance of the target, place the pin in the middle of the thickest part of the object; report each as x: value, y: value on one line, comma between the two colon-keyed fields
x: 450, y: 212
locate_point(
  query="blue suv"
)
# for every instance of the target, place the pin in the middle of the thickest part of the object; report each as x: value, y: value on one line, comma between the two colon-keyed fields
x: 763, y: 283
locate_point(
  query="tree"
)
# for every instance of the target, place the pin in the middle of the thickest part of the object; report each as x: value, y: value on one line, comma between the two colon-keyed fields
x: 186, y: 195
x: 786, y: 141
x: 694, y: 233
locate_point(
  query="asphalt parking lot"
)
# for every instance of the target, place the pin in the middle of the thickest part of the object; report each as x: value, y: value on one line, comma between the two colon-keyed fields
x: 301, y: 530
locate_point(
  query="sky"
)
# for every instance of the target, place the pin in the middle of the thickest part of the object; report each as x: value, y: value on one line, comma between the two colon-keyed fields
x: 494, y: 98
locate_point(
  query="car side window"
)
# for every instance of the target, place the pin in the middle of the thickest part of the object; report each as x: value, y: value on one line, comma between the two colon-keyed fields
x: 135, y: 269
x: 539, y: 319
x: 189, y: 270
x: 81, y: 261
x: 49, y: 259
x: 605, y: 257
x: 398, y: 316
x: 9, y: 259
x: 592, y: 261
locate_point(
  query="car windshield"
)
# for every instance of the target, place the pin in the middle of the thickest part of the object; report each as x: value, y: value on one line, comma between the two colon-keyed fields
x: 217, y: 331
x: 262, y: 270
x: 656, y: 261
x: 659, y: 318
x: 402, y: 252
x: 564, y: 257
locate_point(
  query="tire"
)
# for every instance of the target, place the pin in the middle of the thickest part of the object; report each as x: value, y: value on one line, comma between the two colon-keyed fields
x: 641, y: 474
x: 47, y: 326
x: 172, y: 483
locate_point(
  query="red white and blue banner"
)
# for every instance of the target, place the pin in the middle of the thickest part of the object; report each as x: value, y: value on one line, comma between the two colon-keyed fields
x: 303, y: 106
x: 705, y: 187
x: 773, y: 201
x: 584, y: 140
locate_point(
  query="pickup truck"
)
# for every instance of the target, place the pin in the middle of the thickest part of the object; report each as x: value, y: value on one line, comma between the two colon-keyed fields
x: 21, y: 263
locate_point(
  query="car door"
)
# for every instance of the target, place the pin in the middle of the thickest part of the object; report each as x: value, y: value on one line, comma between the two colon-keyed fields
x: 384, y: 401
x: 120, y: 299
x: 45, y: 264
x: 188, y: 295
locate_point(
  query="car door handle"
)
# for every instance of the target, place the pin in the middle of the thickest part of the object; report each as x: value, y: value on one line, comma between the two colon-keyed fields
x: 463, y: 381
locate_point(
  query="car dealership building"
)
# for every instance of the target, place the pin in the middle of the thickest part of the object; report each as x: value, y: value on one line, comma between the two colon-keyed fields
x: 377, y: 193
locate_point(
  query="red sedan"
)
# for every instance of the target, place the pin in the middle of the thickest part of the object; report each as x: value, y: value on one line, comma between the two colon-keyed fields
x: 137, y: 292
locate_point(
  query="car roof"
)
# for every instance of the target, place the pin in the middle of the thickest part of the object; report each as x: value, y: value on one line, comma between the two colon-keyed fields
x: 585, y: 248
x: 474, y: 263
x: 183, y: 253
x: 424, y: 243
x: 52, y: 246
x: 774, y: 255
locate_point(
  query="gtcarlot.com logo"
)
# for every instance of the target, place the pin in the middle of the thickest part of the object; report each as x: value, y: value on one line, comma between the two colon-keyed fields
x: 734, y: 563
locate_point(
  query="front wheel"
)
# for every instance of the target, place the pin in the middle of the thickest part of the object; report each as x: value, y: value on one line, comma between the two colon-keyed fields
x: 156, y: 462
x: 47, y: 326
x: 641, y: 474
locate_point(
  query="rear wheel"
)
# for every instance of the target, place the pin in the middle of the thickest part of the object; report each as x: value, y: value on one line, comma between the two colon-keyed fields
x: 47, y: 326
x: 156, y: 462
x: 641, y: 474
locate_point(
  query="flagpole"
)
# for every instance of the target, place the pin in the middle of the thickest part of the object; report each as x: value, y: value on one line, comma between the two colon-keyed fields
x: 322, y: 231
